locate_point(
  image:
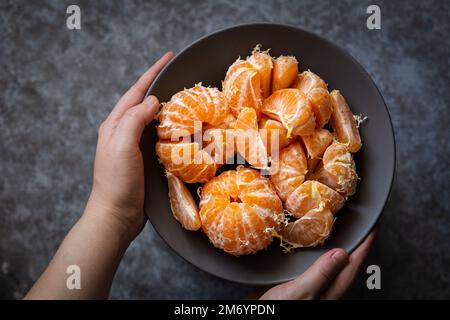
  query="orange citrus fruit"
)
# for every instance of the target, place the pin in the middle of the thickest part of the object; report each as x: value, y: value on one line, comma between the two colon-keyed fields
x: 242, y: 87
x: 263, y: 64
x: 220, y: 144
x: 285, y: 70
x: 337, y: 170
x: 273, y: 129
x: 316, y: 91
x: 184, y: 208
x: 227, y: 122
x: 315, y: 145
x: 312, y: 195
x: 186, y: 160
x: 248, y: 141
x: 343, y: 122
x: 310, y: 230
x: 317, y: 142
x: 292, y: 109
x: 199, y: 104
x: 288, y: 170
x: 239, y: 210
x: 307, y: 80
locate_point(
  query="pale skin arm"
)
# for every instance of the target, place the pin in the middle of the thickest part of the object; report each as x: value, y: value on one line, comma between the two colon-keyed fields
x: 114, y: 215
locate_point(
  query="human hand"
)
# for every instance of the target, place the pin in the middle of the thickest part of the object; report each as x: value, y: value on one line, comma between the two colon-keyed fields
x: 118, y: 185
x: 328, y: 278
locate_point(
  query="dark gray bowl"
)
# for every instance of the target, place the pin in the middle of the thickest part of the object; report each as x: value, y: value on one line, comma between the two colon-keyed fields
x: 207, y: 61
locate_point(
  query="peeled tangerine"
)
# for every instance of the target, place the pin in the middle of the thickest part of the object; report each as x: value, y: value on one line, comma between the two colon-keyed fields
x: 338, y: 170
x: 270, y: 130
x: 292, y: 109
x: 227, y: 123
x: 186, y: 160
x: 220, y: 144
x: 285, y: 70
x: 242, y: 87
x: 315, y: 204
x: 289, y: 170
x: 311, y: 201
x: 311, y: 195
x: 248, y: 141
x: 263, y: 64
x: 187, y: 109
x: 343, y: 122
x: 316, y: 91
x: 310, y: 230
x: 184, y: 208
x: 316, y: 144
x: 240, y: 210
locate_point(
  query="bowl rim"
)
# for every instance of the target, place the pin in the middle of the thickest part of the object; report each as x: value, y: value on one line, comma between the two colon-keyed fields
x: 367, y: 76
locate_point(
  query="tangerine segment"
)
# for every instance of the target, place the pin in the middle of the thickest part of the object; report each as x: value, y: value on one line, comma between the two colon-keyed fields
x: 307, y: 80
x: 315, y: 145
x: 285, y: 70
x: 292, y: 109
x: 273, y: 130
x: 248, y: 141
x: 317, y: 142
x: 242, y: 87
x: 220, y: 144
x: 343, y: 122
x: 178, y: 117
x: 317, y: 92
x: 239, y: 209
x: 186, y: 160
x: 184, y: 208
x: 310, y: 230
x: 313, y: 195
x: 289, y: 170
x: 227, y: 123
x: 338, y: 170
x: 262, y: 62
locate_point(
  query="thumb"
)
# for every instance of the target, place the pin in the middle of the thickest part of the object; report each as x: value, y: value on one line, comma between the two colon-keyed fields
x: 313, y: 281
x: 132, y: 124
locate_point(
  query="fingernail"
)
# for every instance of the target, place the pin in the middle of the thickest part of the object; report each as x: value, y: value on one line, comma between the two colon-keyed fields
x: 340, y: 257
x: 151, y: 101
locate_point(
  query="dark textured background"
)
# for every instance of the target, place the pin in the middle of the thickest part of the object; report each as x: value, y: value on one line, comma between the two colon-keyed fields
x: 57, y: 85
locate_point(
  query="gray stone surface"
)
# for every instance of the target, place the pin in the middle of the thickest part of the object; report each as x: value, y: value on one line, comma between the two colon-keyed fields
x: 57, y: 85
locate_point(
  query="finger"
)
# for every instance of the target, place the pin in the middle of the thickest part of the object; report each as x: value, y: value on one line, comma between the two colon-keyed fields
x: 346, y: 277
x: 132, y: 124
x: 312, y: 282
x: 137, y: 91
